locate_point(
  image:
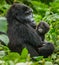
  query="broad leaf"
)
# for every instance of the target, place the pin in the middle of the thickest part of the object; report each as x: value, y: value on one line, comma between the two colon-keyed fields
x: 4, y: 38
x: 3, y: 24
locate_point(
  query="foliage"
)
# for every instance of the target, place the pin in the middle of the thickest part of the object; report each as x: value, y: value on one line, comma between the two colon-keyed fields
x: 43, y: 10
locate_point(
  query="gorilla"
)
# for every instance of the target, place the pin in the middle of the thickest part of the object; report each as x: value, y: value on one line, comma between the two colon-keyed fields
x: 22, y: 34
x: 42, y: 29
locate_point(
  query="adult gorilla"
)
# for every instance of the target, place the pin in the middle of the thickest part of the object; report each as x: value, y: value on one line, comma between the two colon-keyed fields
x: 20, y: 30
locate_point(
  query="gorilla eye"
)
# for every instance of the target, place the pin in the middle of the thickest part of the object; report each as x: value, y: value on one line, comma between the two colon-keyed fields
x: 28, y: 12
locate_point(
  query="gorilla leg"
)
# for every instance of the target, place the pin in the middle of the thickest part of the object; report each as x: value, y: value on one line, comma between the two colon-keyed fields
x: 46, y: 50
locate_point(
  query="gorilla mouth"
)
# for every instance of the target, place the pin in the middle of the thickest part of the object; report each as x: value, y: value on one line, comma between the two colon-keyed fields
x: 40, y: 30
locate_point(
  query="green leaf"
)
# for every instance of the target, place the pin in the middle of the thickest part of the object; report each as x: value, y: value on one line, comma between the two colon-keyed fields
x: 2, y: 53
x: 38, y: 58
x: 4, y: 38
x: 3, y: 24
x: 57, y: 60
x: 24, y: 53
x: 57, y: 42
x: 48, y: 63
x: 10, y: 62
x: 12, y: 56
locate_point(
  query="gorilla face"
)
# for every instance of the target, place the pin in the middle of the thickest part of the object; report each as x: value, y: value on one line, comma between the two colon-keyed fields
x: 23, y: 13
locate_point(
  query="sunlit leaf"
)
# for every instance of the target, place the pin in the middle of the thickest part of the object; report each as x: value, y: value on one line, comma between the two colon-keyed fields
x: 3, y: 24
x: 48, y: 63
x: 24, y: 53
x: 4, y: 38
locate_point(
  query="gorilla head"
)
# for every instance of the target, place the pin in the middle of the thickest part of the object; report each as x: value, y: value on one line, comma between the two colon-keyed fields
x: 21, y: 13
x: 43, y: 27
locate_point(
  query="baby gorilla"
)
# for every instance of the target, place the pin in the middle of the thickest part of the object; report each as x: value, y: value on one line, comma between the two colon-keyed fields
x: 42, y: 29
x: 47, y: 48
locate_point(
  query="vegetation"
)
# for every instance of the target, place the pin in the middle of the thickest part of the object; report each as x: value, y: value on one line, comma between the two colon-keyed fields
x: 43, y: 10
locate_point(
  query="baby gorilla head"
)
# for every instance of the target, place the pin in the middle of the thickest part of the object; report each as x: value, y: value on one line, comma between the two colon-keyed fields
x: 43, y: 28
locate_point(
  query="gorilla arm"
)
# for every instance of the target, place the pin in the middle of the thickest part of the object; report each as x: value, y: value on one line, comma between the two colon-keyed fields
x: 31, y: 36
